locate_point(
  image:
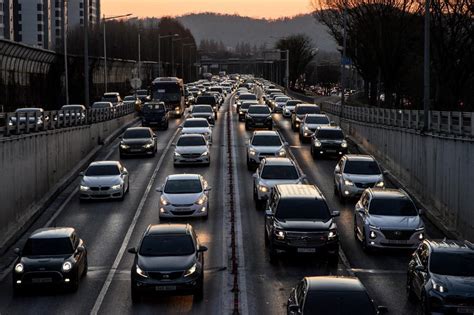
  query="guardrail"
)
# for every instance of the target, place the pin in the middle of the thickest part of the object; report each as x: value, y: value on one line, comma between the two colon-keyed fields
x: 23, y: 123
x: 444, y: 122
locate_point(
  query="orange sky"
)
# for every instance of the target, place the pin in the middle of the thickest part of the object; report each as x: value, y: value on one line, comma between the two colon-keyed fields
x: 253, y: 8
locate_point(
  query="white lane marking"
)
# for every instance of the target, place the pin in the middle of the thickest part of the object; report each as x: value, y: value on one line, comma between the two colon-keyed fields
x: 126, y: 240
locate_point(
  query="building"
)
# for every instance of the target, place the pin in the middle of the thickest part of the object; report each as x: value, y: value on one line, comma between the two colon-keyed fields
x: 6, y: 19
x: 59, y: 22
x: 32, y: 22
x: 75, y: 10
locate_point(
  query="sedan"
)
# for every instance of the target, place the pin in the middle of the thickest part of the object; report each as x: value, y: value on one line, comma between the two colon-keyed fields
x: 310, y: 123
x: 192, y: 149
x: 138, y: 140
x: 169, y: 259
x: 264, y: 144
x: 197, y: 126
x: 105, y: 179
x: 185, y: 195
x: 203, y: 111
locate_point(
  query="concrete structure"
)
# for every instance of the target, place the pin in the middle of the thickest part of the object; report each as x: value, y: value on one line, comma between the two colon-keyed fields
x: 75, y: 9
x: 34, y: 166
x: 6, y: 19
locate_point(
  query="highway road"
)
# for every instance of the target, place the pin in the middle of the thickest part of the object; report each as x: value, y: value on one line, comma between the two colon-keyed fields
x: 110, y: 227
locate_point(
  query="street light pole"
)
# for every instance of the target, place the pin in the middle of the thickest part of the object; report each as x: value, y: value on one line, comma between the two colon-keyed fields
x: 343, y: 65
x: 182, y: 59
x: 66, y: 74
x: 426, y: 68
x: 139, y: 55
x: 287, y: 70
x: 86, y: 53
x: 159, y: 49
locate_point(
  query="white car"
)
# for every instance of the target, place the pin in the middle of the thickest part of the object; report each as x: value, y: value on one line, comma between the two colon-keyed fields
x: 310, y: 123
x: 264, y: 144
x: 184, y: 195
x: 104, y: 180
x: 192, y: 149
x: 197, y: 126
x: 289, y: 108
x: 279, y: 103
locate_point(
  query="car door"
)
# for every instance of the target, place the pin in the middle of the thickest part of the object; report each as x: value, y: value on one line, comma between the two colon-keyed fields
x: 258, y: 174
x: 272, y: 204
x: 338, y: 173
x: 361, y: 209
x: 420, y: 276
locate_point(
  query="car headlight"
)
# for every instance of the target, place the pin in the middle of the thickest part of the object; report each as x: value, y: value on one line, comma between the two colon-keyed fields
x: 282, y: 153
x: 332, y: 235
x: 263, y: 188
x: 191, y: 270
x: 84, y: 188
x: 205, y: 153
x: 344, y: 144
x: 317, y: 143
x: 380, y: 184
x: 140, y: 272
x: 279, y: 234
x: 164, y: 201
x: 348, y: 182
x: 241, y: 112
x: 67, y: 266
x: 210, y: 117
x: 201, y: 200
x: 305, y: 128
x: 19, y: 268
x: 176, y: 108
x: 372, y: 234
x: 148, y: 145
x: 438, y: 287
x: 176, y: 154
x: 115, y: 187
x: 124, y: 146
x: 252, y: 152
x: 298, y: 119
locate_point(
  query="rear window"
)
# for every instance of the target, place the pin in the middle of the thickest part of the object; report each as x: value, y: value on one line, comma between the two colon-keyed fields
x: 302, y: 209
x: 167, y: 245
x: 330, y: 134
x: 392, y: 207
x: 48, y: 247
x: 312, y: 109
x: 338, y: 303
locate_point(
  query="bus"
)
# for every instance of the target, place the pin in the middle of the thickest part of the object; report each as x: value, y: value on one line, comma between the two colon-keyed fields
x: 169, y: 90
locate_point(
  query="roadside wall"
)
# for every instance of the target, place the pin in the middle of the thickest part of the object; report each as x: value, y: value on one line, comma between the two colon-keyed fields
x: 32, y: 165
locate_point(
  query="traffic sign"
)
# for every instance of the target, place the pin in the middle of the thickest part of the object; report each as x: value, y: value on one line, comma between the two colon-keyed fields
x: 136, y: 83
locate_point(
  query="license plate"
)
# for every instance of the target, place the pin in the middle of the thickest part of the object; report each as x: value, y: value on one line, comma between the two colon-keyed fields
x: 306, y: 250
x: 331, y: 151
x: 464, y: 310
x: 41, y: 280
x: 397, y: 241
x: 153, y: 123
x: 135, y: 150
x: 181, y: 209
x: 166, y: 288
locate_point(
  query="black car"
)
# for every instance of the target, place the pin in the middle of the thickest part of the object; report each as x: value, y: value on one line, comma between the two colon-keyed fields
x: 298, y: 219
x: 51, y: 257
x: 208, y: 100
x: 258, y: 116
x: 138, y: 141
x: 328, y: 141
x: 331, y: 295
x: 300, y: 111
x: 204, y: 111
x: 155, y: 114
x: 169, y: 260
x: 441, y: 276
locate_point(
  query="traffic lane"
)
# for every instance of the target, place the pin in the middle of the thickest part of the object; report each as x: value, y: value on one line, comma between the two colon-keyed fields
x: 268, y: 285
x: 102, y: 225
x: 210, y: 232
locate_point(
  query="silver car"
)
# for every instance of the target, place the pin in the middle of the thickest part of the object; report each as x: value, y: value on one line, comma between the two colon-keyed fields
x: 289, y: 108
x: 104, y: 180
x: 310, y: 123
x: 387, y: 219
x: 197, y: 126
x: 274, y: 171
x: 280, y: 102
x: 184, y: 195
x: 264, y: 144
x: 192, y: 149
x: 354, y: 173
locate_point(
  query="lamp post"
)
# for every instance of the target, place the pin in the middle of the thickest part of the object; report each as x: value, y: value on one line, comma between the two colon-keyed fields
x: 66, y: 74
x: 426, y: 70
x: 173, y: 74
x: 104, y: 19
x: 159, y: 50
x: 86, y: 53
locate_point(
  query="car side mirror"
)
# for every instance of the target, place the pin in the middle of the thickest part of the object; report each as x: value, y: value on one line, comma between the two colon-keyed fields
x: 159, y: 189
x: 202, y: 249
x: 382, y: 309
x: 80, y: 249
x: 303, y: 177
x: 294, y: 308
x: 254, y: 175
x: 337, y: 170
x: 421, y: 211
x: 285, y: 144
x: 208, y: 188
x: 332, y: 123
x: 420, y: 268
x: 132, y: 250
x: 336, y: 214
x: 17, y: 251
x: 154, y: 136
x: 173, y: 144
x: 269, y: 213
x: 81, y: 174
x: 385, y: 172
x: 180, y: 127
x: 125, y: 173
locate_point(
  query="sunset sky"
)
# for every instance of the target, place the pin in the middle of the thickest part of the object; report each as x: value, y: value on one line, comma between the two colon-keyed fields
x: 253, y: 8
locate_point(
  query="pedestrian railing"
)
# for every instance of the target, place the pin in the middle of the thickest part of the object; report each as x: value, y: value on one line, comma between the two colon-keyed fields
x: 17, y: 123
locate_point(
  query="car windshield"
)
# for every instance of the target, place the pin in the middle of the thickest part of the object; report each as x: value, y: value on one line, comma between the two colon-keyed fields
x: 302, y: 209
x: 320, y: 120
x: 191, y: 141
x: 247, y: 97
x: 211, y: 100
x: 136, y: 134
x: 392, y: 207
x: 166, y: 91
x: 259, y: 110
x: 196, y: 124
x: 202, y: 109
x: 292, y: 103
x: 362, y: 168
x: 452, y: 264
x: 47, y: 247
x: 267, y: 141
x: 102, y: 170
x: 167, y: 245
x: 129, y: 98
x: 279, y: 172
x: 246, y: 105
x: 301, y: 110
x: 330, y: 134
x: 338, y: 303
x: 142, y: 93
x: 110, y: 98
x: 183, y: 186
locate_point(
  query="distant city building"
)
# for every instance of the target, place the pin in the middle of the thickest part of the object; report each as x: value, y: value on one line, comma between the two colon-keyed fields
x: 6, y: 19
x: 75, y: 10
x: 59, y: 22
x: 32, y: 22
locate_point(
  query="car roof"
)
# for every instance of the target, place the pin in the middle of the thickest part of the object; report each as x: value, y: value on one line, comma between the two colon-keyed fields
x: 201, y: 105
x: 388, y: 193
x: 259, y: 105
x: 112, y: 94
x: 299, y: 191
x: 183, y: 176
x: 330, y: 128
x: 191, y: 135
x: 195, y: 119
x: 29, y: 109
x: 159, y: 229
x: 334, y: 283
x: 278, y: 161
x: 307, y: 104
x: 451, y: 246
x: 265, y: 132
x: 52, y: 232
x: 359, y: 157
x: 316, y: 115
x: 138, y: 128
x: 104, y: 163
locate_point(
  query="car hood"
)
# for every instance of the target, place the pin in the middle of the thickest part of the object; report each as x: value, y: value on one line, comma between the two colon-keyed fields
x: 463, y: 286
x: 182, y: 199
x: 137, y: 141
x: 199, y: 130
x: 396, y: 222
x: 101, y: 180
x: 304, y: 225
x: 315, y: 126
x: 259, y: 115
x: 269, y: 149
x: 363, y: 178
x: 290, y: 108
x: 272, y: 182
x: 193, y: 149
x: 166, y: 263
x: 42, y: 263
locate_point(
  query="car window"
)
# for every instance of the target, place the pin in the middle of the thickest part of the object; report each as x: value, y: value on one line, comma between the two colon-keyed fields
x: 333, y: 134
x: 322, y: 120
x: 259, y: 110
x: 136, y: 134
x: 183, y: 186
x: 196, y: 124
x: 264, y: 140
x: 288, y: 172
x: 452, y: 264
x: 48, y: 247
x: 302, y: 209
x: 392, y: 207
x: 103, y: 170
x: 202, y: 109
x: 338, y: 303
x: 191, y: 141
x: 362, y: 168
x: 300, y: 110
x: 167, y: 245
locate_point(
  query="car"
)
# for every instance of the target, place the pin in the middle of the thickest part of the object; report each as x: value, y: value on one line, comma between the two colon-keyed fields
x: 441, y: 276
x: 387, y: 218
x: 192, y: 149
x: 168, y: 260
x: 298, y: 220
x: 258, y: 116
x: 289, y: 107
x: 52, y: 257
x: 328, y: 141
x: 354, y: 173
x: 104, y: 179
x: 197, y: 126
x: 133, y: 100
x: 203, y: 111
x: 331, y: 295
x: 244, y: 108
x: 184, y: 195
x: 112, y: 97
x: 138, y: 141
x: 209, y: 99
x: 242, y: 97
x: 270, y: 101
x: 35, y: 116
x: 300, y: 111
x: 310, y: 123
x: 155, y: 114
x: 264, y: 144
x: 70, y: 113
x: 102, y: 105
x: 218, y: 96
x: 279, y: 103
x: 274, y: 171
x: 143, y: 95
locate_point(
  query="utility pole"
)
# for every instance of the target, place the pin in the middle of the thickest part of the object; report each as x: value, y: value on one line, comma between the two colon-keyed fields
x: 426, y: 68
x: 86, y: 53
x: 139, y: 55
x: 66, y: 73
x: 159, y: 49
x: 287, y: 70
x: 343, y: 63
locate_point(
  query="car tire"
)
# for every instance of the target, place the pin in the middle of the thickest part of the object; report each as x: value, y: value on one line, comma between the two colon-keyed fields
x: 16, y: 290
x: 255, y: 194
x: 199, y: 293
x: 74, y: 283
x: 425, y: 308
x: 135, y: 295
x: 363, y: 242
x: 86, y: 268
x: 272, y: 253
x: 342, y: 199
x: 410, y: 294
x: 313, y: 154
x: 123, y: 194
x: 249, y: 165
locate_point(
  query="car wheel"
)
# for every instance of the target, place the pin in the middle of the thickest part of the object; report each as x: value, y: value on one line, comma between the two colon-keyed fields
x: 16, y: 290
x: 363, y: 242
x: 272, y: 253
x: 301, y: 137
x: 135, y: 295
x: 199, y: 294
x: 249, y: 165
x: 341, y: 196
x: 86, y: 268
x: 123, y: 194
x: 410, y: 294
x: 335, y: 189
x: 255, y: 194
x: 75, y: 283
x: 313, y: 154
x: 425, y: 307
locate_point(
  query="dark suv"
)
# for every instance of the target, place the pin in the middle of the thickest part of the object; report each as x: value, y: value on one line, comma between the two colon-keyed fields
x: 53, y: 257
x: 155, y: 114
x: 328, y: 141
x: 258, y: 116
x: 441, y: 276
x: 208, y: 99
x: 169, y: 259
x: 298, y: 219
